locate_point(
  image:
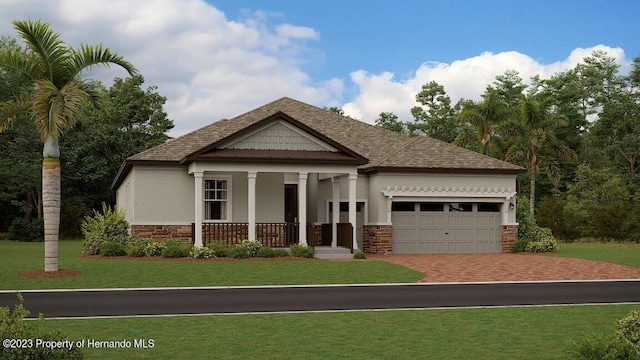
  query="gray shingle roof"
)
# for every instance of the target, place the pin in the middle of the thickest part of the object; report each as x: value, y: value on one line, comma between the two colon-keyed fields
x: 383, y: 148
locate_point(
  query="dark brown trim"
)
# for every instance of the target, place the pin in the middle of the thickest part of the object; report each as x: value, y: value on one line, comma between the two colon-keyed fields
x: 358, y: 159
x: 374, y: 170
x: 286, y: 156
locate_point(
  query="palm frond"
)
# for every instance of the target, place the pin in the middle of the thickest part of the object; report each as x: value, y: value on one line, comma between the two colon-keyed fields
x: 94, y: 94
x: 11, y: 109
x: 89, y: 56
x: 22, y: 62
x: 50, y: 51
x: 55, y: 110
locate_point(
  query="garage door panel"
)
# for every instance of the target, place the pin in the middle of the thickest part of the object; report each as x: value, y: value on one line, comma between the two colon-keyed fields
x: 446, y: 232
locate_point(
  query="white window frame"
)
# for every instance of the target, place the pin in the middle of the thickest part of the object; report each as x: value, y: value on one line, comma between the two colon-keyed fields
x: 228, y: 179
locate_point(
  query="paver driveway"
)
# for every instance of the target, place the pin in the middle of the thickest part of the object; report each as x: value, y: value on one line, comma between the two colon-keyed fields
x: 508, y: 267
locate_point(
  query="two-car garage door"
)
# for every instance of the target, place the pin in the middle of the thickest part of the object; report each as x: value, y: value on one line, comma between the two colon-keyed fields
x: 441, y: 227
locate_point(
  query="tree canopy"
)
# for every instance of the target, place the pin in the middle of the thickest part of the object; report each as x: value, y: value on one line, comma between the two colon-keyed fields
x: 585, y: 116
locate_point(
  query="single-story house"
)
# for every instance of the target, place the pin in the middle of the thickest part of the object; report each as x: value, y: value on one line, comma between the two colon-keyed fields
x: 289, y: 172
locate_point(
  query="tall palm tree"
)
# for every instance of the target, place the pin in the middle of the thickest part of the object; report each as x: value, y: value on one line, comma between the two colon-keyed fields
x: 531, y: 141
x: 53, y: 102
x: 484, y: 117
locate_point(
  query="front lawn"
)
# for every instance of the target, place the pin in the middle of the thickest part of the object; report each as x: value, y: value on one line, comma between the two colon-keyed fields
x: 616, y: 253
x: 490, y: 333
x: 16, y: 257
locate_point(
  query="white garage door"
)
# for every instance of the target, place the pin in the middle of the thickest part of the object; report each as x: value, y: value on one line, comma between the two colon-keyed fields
x: 446, y: 228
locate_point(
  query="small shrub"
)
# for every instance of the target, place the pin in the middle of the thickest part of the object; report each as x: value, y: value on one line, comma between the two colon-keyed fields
x: 202, y: 253
x: 624, y: 343
x: 153, y: 248
x: 266, y: 252
x: 519, y: 246
x: 629, y: 328
x: 525, y: 221
x: 302, y: 251
x: 220, y: 249
x: 136, y: 245
x: 174, y: 248
x: 111, y: 225
x: 252, y: 245
x: 26, y: 230
x: 135, y: 250
x: 600, y: 347
x: 13, y: 326
x: 542, y: 240
x: 359, y: 255
x: 137, y: 240
x: 542, y: 246
x: 172, y: 242
x: 112, y: 248
x: 239, y: 252
x: 281, y: 253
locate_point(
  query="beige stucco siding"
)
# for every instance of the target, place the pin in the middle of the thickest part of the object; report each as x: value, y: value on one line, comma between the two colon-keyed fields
x: 124, y: 196
x: 162, y: 195
x: 270, y: 197
x: 375, y: 201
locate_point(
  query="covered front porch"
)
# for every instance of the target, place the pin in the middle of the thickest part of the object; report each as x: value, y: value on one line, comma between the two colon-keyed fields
x: 275, y: 204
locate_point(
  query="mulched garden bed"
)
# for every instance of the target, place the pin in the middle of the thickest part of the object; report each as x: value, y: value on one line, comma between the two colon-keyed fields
x: 190, y: 259
x: 49, y: 274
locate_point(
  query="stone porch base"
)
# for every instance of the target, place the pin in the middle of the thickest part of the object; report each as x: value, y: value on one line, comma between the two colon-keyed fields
x: 509, y: 236
x: 163, y: 232
x: 376, y: 239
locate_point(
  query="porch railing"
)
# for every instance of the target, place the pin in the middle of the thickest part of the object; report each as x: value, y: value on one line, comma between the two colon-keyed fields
x: 345, y: 235
x: 268, y: 234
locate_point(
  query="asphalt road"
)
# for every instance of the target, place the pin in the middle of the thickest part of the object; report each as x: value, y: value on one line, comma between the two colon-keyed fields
x: 88, y: 303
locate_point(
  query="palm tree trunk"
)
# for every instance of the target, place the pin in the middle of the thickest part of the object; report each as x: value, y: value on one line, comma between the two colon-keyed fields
x: 532, y: 194
x: 51, y: 209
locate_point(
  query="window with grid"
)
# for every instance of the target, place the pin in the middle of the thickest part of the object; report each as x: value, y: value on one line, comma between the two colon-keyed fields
x: 215, y: 199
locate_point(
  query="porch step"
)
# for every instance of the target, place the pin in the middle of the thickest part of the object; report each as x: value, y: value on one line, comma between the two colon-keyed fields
x: 328, y: 252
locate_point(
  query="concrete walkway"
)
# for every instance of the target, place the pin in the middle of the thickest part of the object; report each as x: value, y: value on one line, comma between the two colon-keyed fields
x: 508, y: 267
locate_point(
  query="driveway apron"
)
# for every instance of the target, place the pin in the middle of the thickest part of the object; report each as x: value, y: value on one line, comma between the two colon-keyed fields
x: 508, y: 267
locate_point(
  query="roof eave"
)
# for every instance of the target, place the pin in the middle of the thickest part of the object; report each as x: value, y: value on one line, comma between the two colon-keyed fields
x: 431, y: 170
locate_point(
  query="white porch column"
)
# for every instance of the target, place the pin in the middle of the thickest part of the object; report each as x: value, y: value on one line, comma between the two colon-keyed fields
x: 199, y: 182
x: 353, y: 177
x: 336, y: 211
x: 302, y: 207
x: 505, y: 211
x: 389, y: 203
x: 251, y: 205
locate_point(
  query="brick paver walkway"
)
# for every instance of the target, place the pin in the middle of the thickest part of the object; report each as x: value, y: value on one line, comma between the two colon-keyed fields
x: 508, y: 267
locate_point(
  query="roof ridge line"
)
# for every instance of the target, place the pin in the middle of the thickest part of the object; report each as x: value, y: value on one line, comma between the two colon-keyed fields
x: 411, y: 141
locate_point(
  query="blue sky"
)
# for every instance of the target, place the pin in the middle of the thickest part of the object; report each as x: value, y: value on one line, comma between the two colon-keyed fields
x: 398, y: 36
x: 215, y: 59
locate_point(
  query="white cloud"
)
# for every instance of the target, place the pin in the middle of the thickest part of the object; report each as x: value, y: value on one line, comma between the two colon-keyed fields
x: 298, y: 32
x: 466, y: 79
x: 209, y: 67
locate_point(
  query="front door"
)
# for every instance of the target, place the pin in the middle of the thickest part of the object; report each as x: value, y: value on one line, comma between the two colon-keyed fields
x: 291, y: 212
x: 291, y: 203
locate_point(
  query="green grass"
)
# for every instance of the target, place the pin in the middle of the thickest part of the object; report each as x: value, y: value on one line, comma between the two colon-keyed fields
x: 16, y: 257
x: 498, y: 333
x: 616, y: 253
x: 491, y: 333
